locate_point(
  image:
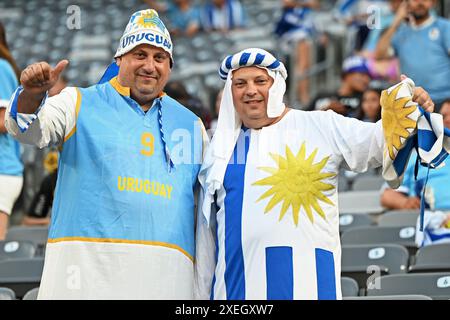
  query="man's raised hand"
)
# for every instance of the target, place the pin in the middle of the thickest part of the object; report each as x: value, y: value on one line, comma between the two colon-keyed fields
x: 39, y: 77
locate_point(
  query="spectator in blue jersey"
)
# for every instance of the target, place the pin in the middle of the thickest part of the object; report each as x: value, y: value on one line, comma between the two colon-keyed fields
x: 41, y: 205
x: 356, y: 15
x: 11, y: 167
x: 388, y: 68
x: 122, y: 224
x: 223, y: 15
x: 271, y: 171
x: 421, y: 41
x: 183, y: 18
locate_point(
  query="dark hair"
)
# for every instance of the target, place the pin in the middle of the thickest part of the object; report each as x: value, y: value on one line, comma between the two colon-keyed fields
x: 5, y: 53
x: 360, y: 114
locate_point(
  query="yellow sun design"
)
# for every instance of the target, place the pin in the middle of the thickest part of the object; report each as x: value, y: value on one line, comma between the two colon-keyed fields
x: 395, y: 119
x: 147, y: 20
x: 296, y: 182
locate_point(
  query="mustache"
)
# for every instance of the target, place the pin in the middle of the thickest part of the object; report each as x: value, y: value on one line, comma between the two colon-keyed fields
x: 148, y: 74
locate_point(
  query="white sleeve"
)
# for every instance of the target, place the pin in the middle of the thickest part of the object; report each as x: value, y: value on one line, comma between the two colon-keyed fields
x: 205, y: 248
x: 50, y: 125
x: 360, y: 143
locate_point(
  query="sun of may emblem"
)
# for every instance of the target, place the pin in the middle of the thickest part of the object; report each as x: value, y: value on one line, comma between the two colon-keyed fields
x: 395, y: 119
x: 148, y: 20
x: 297, y: 181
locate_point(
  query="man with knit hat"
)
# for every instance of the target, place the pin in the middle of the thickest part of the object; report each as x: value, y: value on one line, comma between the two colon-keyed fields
x: 272, y: 172
x: 123, y: 217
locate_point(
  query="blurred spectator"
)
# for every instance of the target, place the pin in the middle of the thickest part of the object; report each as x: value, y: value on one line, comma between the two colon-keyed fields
x: 41, y: 205
x: 159, y: 6
x: 388, y: 68
x: 178, y: 91
x: 437, y: 192
x: 213, y: 125
x: 436, y: 228
x: 183, y: 18
x: 347, y: 99
x: 445, y: 111
x: 370, y: 110
x: 422, y: 44
x: 437, y: 223
x: 356, y: 15
x: 11, y: 167
x: 296, y: 29
x: 223, y: 15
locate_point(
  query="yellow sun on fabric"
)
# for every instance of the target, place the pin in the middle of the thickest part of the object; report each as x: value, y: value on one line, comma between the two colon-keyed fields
x: 395, y: 119
x: 297, y: 181
x: 147, y: 20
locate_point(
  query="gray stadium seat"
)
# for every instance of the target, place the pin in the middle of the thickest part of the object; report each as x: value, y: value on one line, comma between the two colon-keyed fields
x: 398, y: 218
x: 349, y: 287
x: 31, y: 294
x: 21, y: 275
x: 393, y: 297
x: 37, y: 235
x: 7, y: 294
x: 367, y: 183
x: 434, y: 285
x: 351, y: 220
x: 360, y: 202
x: 16, y: 249
x: 432, y: 258
x: 380, y: 235
x: 360, y: 262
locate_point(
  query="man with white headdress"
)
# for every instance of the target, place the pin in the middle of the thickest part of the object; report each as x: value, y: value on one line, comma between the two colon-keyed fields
x: 122, y: 223
x: 272, y: 172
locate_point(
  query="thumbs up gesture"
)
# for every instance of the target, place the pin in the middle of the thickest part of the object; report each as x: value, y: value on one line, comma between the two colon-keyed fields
x: 39, y: 77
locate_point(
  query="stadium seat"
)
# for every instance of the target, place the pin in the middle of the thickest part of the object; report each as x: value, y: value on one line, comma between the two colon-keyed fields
x: 16, y: 249
x: 349, y: 287
x: 31, y: 294
x: 361, y: 262
x: 7, y: 294
x: 360, y: 202
x: 381, y: 235
x: 351, y: 220
x: 432, y: 258
x: 37, y: 235
x: 398, y: 218
x: 21, y: 275
x: 367, y: 183
x: 434, y: 285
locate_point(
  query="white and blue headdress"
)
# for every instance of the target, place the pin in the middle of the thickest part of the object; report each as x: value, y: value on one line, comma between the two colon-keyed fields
x: 229, y: 124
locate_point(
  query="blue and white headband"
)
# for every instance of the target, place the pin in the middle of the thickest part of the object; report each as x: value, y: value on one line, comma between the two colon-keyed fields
x: 251, y: 57
x: 229, y: 123
x: 255, y: 57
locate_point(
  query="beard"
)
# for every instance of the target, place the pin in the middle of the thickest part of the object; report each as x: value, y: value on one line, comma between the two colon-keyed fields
x: 420, y: 16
